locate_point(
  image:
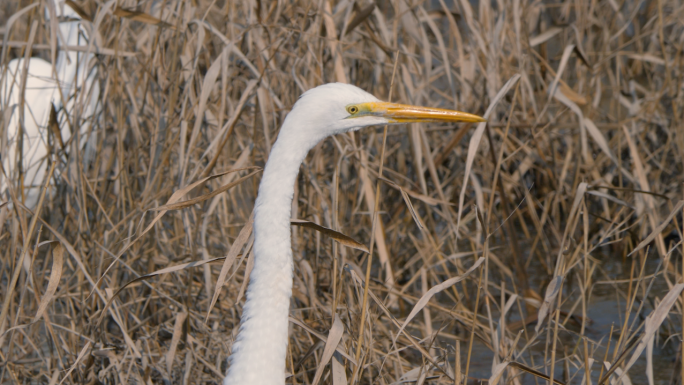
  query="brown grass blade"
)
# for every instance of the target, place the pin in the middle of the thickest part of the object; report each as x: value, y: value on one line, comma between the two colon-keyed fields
x: 336, y: 235
x: 53, y: 282
x: 80, y: 11
x: 475, y: 141
x: 190, y: 202
x: 20, y: 262
x: 334, y: 337
x: 419, y: 196
x: 230, y: 258
x: 652, y: 324
x: 177, y: 331
x: 8, y: 25
x: 412, y: 210
x: 339, y: 376
x: 436, y: 289
x: 544, y: 36
x: 360, y: 18
x: 533, y: 372
x: 141, y: 17
x: 549, y: 297
x: 561, y: 68
x: 321, y: 337
x: 82, y: 354
x: 658, y: 229
x: 497, y: 373
x: 173, y: 199
x: 165, y: 270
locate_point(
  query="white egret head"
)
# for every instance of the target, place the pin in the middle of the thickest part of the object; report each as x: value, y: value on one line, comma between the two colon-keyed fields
x: 335, y: 108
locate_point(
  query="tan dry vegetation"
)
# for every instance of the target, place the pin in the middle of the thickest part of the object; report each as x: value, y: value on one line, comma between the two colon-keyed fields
x: 580, y: 168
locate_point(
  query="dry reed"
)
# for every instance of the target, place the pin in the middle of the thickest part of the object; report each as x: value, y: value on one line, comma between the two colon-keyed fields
x: 571, y: 195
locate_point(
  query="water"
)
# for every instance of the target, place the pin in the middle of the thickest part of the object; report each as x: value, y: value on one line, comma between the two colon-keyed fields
x: 605, y: 310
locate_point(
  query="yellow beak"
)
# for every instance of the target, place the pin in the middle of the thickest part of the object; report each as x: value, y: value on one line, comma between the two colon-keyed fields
x: 403, y: 113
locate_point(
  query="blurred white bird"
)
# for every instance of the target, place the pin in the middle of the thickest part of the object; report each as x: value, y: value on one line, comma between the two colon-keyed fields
x: 70, y: 87
x: 258, y: 356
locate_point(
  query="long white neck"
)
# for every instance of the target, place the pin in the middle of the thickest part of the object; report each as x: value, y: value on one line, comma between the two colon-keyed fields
x: 71, y: 66
x: 258, y: 354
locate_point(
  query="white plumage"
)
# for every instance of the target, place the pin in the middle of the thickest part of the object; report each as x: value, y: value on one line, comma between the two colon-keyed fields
x: 258, y: 354
x: 70, y: 79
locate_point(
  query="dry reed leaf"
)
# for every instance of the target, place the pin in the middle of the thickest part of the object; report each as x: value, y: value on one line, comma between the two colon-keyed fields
x: 207, y: 87
x: 334, y: 337
x: 77, y: 257
x: 656, y: 232
x: 603, y: 144
x: 436, y: 289
x: 561, y: 68
x: 173, y: 199
x: 425, y: 354
x: 80, y: 356
x: 614, y: 368
x: 419, y: 196
x: 8, y: 26
x: 475, y: 141
x: 190, y: 202
x: 240, y: 162
x: 141, y: 17
x: 571, y: 94
x: 53, y: 282
x: 551, y: 292
x: 336, y: 235
x: 248, y: 270
x: 646, y: 57
x: 579, y: 194
x: 618, y: 361
x: 533, y: 372
x: 599, y: 139
x: 177, y: 331
x: 545, y: 36
x: 182, y: 192
x: 74, y: 48
x: 230, y: 258
x: 165, y: 270
x: 442, y: 47
x: 649, y: 360
x: 380, y: 242
x: 359, y: 18
x: 339, y: 376
x: 497, y: 373
x: 227, y: 128
x: 80, y: 11
x: 310, y: 330
x: 652, y: 214
x: 331, y: 31
x: 28, y: 235
x: 651, y: 325
x: 412, y: 210
x: 610, y: 198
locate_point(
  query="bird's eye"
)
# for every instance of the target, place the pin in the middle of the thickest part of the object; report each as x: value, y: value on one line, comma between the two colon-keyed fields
x: 352, y: 109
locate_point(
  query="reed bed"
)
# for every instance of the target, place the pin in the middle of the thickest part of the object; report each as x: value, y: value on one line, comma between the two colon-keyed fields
x: 494, y: 247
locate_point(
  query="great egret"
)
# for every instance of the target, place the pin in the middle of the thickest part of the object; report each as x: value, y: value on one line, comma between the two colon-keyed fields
x: 258, y: 354
x: 44, y: 88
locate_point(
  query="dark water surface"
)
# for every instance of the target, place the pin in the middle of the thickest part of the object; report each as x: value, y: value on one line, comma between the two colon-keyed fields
x: 605, y: 309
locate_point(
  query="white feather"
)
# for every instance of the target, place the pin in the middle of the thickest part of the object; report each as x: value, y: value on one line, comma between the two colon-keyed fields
x: 258, y: 354
x: 42, y: 89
